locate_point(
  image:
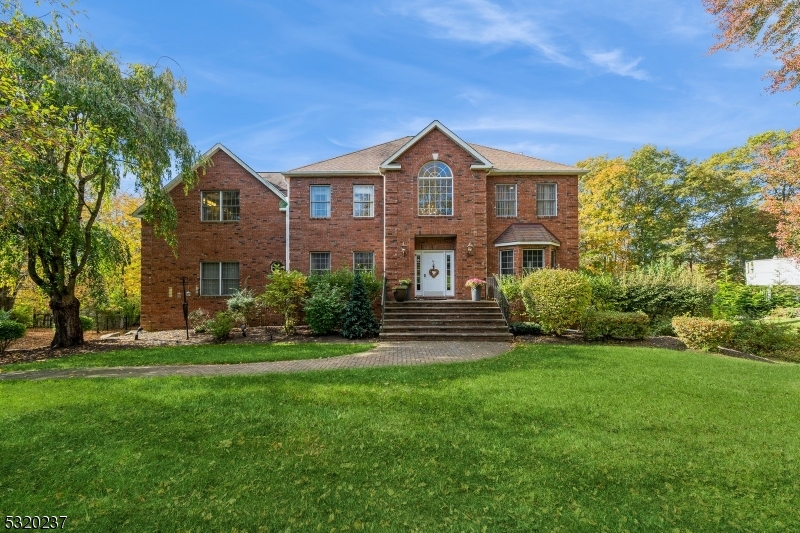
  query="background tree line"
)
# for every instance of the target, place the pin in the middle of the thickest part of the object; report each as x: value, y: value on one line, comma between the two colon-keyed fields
x: 655, y: 205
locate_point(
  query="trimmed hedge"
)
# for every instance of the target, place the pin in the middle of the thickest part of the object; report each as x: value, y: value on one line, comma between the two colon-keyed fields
x: 87, y: 323
x: 526, y: 328
x: 596, y: 325
x: 9, y: 332
x: 701, y: 333
x: 325, y: 308
x: 555, y: 298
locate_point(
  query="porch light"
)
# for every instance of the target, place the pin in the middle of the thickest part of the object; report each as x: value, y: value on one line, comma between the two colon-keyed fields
x: 403, y: 247
x: 470, y: 246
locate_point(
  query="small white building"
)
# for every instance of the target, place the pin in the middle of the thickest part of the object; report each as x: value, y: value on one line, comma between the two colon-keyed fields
x: 767, y: 272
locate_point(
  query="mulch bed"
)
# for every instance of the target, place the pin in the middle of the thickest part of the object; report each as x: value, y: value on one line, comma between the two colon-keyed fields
x: 35, y: 346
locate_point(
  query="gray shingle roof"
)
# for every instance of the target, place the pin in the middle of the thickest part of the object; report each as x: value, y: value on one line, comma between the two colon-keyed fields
x: 277, y: 179
x: 509, y: 161
x: 366, y: 160
x: 370, y: 160
x: 526, y: 233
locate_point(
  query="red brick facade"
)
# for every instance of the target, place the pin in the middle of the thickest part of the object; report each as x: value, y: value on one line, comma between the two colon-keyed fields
x: 257, y: 239
x: 393, y: 234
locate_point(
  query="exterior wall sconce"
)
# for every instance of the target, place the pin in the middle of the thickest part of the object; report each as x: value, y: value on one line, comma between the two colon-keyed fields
x: 403, y: 248
x: 470, y: 246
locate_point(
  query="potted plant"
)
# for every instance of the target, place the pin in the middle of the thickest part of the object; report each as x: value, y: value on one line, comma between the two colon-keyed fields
x: 400, y: 291
x: 475, y: 284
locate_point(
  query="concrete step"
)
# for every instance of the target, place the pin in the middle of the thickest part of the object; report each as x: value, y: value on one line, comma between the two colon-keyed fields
x: 429, y: 336
x: 427, y: 315
x: 470, y: 321
x: 443, y: 328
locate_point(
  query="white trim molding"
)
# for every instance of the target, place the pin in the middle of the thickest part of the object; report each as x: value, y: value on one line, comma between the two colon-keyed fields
x: 390, y: 164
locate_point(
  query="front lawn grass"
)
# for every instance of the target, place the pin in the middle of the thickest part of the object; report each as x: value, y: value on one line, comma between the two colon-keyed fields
x: 200, y: 354
x: 545, y: 438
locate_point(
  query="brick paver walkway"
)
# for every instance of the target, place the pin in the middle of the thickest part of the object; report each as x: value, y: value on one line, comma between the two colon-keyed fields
x: 384, y: 354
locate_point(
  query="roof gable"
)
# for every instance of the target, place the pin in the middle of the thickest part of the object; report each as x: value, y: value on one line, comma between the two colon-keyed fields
x: 391, y: 164
x: 219, y: 147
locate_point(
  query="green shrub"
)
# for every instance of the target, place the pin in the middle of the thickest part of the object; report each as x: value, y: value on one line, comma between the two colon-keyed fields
x: 324, y: 308
x: 701, y: 333
x: 555, y: 298
x: 285, y: 294
x: 343, y: 279
x: 243, y: 306
x: 737, y: 300
x: 5, y: 315
x: 10, y: 331
x: 87, y: 323
x: 597, y: 325
x: 23, y: 314
x: 785, y: 312
x: 359, y: 320
x: 785, y: 296
x: 221, y: 325
x: 662, y: 326
x: 768, y: 339
x: 511, y: 287
x: 527, y: 328
x: 661, y: 290
x: 198, y: 320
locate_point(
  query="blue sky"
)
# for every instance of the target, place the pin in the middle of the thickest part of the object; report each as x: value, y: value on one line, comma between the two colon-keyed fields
x: 286, y: 83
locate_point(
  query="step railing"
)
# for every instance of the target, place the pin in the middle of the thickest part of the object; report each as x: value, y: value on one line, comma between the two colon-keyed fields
x: 383, y: 301
x: 494, y: 291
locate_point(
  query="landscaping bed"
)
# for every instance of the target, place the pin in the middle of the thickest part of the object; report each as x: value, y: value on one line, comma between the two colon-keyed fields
x: 35, y: 345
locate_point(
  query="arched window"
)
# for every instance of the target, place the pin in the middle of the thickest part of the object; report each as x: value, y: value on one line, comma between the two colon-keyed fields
x: 435, y: 190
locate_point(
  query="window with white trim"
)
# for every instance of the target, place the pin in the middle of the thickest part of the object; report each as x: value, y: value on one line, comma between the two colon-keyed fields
x: 364, y: 261
x: 219, y: 206
x: 546, y: 200
x: 532, y: 260
x: 320, y: 201
x: 505, y: 200
x: 506, y: 262
x: 363, y: 201
x: 320, y: 263
x: 218, y: 279
x: 435, y: 190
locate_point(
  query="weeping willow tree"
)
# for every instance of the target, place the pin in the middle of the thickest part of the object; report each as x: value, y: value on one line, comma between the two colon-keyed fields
x: 73, y: 121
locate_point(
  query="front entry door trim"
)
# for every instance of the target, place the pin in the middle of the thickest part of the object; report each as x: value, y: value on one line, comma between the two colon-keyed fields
x: 434, y: 273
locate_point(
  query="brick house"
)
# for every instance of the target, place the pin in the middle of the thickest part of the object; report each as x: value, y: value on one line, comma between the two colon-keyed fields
x: 431, y: 208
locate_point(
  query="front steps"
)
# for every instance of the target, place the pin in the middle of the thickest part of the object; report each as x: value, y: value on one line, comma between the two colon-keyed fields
x: 446, y: 320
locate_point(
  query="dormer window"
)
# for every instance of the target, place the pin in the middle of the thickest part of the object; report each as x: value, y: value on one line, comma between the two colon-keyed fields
x: 435, y: 190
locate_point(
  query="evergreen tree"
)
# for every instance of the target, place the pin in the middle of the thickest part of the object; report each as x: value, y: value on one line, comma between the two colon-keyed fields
x: 359, y: 320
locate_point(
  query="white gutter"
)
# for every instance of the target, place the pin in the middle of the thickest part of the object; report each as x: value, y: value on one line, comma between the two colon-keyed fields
x: 288, y: 190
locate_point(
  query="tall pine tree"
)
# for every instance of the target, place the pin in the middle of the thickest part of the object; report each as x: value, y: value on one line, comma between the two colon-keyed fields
x: 359, y: 320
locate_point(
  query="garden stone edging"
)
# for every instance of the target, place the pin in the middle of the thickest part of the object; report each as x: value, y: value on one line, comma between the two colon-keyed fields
x: 742, y: 355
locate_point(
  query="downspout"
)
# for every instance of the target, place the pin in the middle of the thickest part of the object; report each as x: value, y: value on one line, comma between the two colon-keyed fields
x: 288, y: 204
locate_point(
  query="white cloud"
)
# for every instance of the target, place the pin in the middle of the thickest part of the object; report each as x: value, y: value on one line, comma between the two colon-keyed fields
x: 614, y: 62
x: 483, y: 22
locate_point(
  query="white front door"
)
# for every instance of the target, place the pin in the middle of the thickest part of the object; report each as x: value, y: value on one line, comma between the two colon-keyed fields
x: 435, y: 273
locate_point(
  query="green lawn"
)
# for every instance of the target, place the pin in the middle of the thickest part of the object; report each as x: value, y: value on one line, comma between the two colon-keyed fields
x: 546, y: 438
x: 202, y: 354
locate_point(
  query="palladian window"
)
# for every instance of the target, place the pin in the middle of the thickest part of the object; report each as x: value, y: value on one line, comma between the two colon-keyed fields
x: 435, y: 190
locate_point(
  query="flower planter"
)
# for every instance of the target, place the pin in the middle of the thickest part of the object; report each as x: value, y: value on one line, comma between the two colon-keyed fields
x: 476, y: 294
x: 400, y: 295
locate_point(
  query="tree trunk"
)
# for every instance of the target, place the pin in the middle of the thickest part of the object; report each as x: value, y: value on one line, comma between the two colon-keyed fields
x: 67, y: 320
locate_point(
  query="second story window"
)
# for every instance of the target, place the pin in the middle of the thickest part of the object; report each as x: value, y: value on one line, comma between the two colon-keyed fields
x: 505, y: 200
x: 435, y: 190
x: 546, y: 200
x: 320, y: 201
x: 363, y: 201
x: 219, y: 206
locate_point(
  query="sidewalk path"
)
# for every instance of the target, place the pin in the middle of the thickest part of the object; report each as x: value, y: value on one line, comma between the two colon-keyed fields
x: 384, y: 354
